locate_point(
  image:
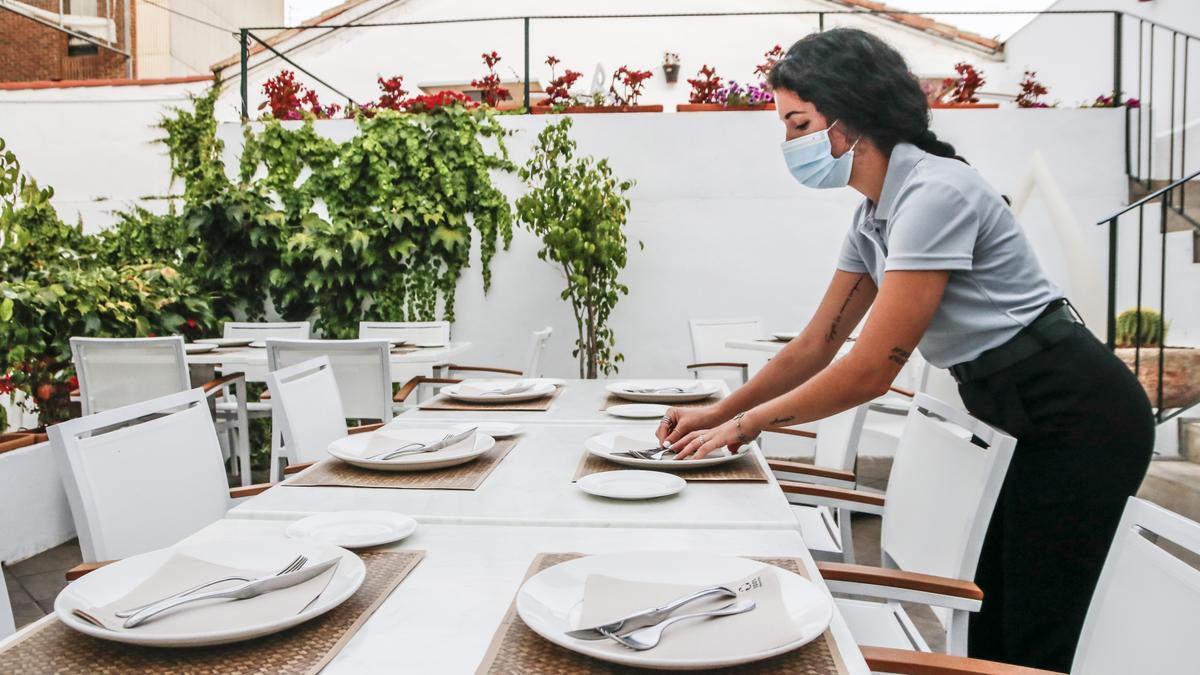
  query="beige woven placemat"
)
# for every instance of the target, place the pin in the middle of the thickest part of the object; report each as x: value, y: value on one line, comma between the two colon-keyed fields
x: 307, y: 648
x: 336, y: 473
x: 742, y: 471
x: 613, y: 399
x: 443, y: 402
x: 517, y: 650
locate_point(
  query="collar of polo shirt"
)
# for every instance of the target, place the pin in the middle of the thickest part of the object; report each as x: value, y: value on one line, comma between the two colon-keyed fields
x: 903, y: 158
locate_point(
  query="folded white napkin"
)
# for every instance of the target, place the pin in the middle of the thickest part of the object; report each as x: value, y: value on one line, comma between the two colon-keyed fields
x: 607, y: 599
x: 388, y: 440
x: 181, y: 572
x: 493, y: 387
x: 623, y: 443
x: 683, y: 387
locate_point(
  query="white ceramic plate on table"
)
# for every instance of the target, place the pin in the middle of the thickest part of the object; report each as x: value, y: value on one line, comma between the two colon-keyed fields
x: 698, y: 392
x: 785, y: 337
x: 111, y: 582
x: 224, y: 343
x: 603, y: 445
x: 550, y: 603
x: 538, y: 390
x: 429, y: 345
x: 631, y: 484
x: 353, y: 529
x: 197, y: 348
x: 352, y: 449
x: 493, y: 429
x: 637, y: 411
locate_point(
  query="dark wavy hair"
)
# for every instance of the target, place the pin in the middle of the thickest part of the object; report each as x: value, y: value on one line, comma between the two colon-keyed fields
x: 853, y: 76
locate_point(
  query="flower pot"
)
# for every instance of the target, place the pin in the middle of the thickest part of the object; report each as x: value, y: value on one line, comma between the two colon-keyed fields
x: 19, y: 439
x: 720, y: 107
x: 965, y: 106
x: 1181, y: 374
x: 587, y: 109
x: 671, y: 72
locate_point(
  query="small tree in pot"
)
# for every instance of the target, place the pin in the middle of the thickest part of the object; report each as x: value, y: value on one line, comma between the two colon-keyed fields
x: 578, y: 209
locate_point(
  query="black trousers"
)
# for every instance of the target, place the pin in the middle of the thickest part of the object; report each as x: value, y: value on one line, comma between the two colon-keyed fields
x: 1085, y: 433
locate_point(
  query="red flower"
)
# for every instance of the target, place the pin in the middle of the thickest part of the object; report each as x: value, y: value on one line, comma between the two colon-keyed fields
x: 773, y: 56
x: 633, y: 81
x: 969, y: 80
x: 73, y: 381
x: 491, y: 90
x: 45, y: 391
x: 704, y: 88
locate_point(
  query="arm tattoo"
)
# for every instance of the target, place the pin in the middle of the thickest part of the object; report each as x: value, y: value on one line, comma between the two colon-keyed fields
x: 833, y: 328
x: 782, y: 420
x: 899, y: 356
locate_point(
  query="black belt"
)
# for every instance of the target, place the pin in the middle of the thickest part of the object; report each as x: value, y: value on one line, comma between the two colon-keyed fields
x: 1053, y: 325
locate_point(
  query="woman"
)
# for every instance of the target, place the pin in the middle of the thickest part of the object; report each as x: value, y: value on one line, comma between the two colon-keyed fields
x: 939, y: 258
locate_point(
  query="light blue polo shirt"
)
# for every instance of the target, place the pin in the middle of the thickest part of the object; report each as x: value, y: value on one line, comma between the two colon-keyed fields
x: 937, y: 213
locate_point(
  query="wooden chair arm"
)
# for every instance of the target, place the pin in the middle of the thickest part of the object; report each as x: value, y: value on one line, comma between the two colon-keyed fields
x: 833, y: 497
x: 784, y: 466
x: 364, y: 428
x: 906, y: 662
x: 250, y: 490
x: 265, y: 396
x: 409, y: 387
x: 717, y: 364
x: 903, y: 392
x: 83, y: 568
x: 485, y: 369
x: 75, y: 392
x: 222, y: 382
x: 789, y: 432
x: 296, y: 468
x: 913, y: 581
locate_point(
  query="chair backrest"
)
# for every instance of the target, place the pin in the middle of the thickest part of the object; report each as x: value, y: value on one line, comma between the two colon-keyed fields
x: 143, y: 476
x: 708, y: 346
x: 533, y: 357
x: 1143, y: 614
x: 838, y: 437
x: 115, y: 372
x: 7, y: 625
x: 308, y: 407
x: 944, y: 483
x: 421, y: 332
x: 282, y: 330
x: 362, y: 369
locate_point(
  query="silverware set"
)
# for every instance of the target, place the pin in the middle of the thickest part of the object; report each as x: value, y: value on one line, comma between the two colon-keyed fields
x: 297, y: 563
x: 644, y: 630
x: 417, y: 448
x: 658, y: 390
x: 649, y: 453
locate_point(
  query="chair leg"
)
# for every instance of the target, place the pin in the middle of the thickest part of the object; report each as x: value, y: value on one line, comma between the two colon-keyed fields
x: 847, y: 536
x: 242, y: 433
x: 956, y: 633
x: 276, y: 449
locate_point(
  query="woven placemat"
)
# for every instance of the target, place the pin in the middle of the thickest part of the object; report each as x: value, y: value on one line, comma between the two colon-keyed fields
x: 307, y: 648
x: 336, y: 473
x: 613, y: 399
x: 742, y: 471
x: 517, y: 650
x: 443, y: 402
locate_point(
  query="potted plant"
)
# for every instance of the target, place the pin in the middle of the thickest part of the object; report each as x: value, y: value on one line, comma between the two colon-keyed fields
x: 670, y: 67
x: 708, y: 94
x: 960, y: 92
x: 1032, y: 92
x: 1111, y: 101
x: 578, y: 208
x: 491, y: 92
x: 622, y: 99
x: 1139, y: 334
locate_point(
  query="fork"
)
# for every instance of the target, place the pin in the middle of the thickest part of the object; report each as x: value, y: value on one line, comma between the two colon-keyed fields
x: 409, y: 448
x: 299, y: 562
x: 653, y: 453
x: 657, y: 390
x: 649, y: 637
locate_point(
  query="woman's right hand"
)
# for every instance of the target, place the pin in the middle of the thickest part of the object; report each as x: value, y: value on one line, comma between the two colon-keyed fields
x: 679, y: 422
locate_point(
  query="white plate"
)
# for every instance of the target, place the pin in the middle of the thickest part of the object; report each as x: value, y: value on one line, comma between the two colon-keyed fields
x: 551, y: 600
x: 429, y: 345
x: 113, y: 581
x: 197, y: 348
x: 601, y: 445
x: 631, y: 484
x: 347, y: 449
x: 785, y: 337
x: 224, y: 342
x: 637, y: 411
x: 258, y: 344
x: 703, y: 390
x: 493, y: 429
x: 538, y: 390
x: 353, y: 529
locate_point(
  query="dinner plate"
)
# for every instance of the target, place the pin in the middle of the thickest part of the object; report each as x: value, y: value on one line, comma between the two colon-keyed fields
x: 538, y: 390
x: 637, y: 411
x: 194, y: 348
x: 493, y: 429
x: 550, y: 603
x: 785, y: 337
x: 353, y: 529
x: 113, y: 581
x: 601, y: 445
x: 258, y: 344
x: 702, y: 391
x: 429, y: 345
x: 347, y: 449
x: 631, y: 484
x: 224, y: 342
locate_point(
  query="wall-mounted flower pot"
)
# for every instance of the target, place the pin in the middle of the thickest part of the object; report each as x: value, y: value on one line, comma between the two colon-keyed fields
x: 965, y: 106
x: 671, y: 72
x: 587, y: 109
x: 718, y: 107
x: 20, y: 439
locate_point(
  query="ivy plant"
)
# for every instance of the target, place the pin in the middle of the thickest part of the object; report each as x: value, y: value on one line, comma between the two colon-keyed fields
x: 577, y: 207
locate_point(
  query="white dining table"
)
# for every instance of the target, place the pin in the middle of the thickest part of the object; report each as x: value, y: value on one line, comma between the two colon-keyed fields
x: 405, y: 365
x: 533, y: 485
x: 443, y: 615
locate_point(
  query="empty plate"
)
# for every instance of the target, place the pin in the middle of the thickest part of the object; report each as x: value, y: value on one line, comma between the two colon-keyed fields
x: 198, y: 348
x: 637, y: 411
x: 493, y: 429
x: 631, y: 484
x: 353, y: 529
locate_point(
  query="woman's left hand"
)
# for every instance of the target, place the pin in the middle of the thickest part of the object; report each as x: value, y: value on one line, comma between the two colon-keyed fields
x: 733, y: 434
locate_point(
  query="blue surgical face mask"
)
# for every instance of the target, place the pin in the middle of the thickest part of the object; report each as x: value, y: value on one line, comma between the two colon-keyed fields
x: 811, y: 161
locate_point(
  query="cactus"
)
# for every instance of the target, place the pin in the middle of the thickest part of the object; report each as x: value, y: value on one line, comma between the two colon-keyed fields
x: 1150, y: 332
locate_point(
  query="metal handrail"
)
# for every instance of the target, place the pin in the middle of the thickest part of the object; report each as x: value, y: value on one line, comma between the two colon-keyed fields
x: 1150, y: 197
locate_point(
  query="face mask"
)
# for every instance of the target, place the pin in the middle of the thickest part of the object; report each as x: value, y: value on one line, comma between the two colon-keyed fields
x: 811, y: 161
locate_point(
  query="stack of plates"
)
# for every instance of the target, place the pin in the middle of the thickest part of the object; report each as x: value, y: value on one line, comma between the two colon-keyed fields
x: 498, y: 391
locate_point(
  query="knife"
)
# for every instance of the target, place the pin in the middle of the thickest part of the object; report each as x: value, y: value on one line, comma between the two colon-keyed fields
x: 647, y: 617
x: 250, y: 589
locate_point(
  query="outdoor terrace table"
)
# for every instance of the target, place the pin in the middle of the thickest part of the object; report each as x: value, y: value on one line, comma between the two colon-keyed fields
x: 442, y: 617
x: 253, y: 361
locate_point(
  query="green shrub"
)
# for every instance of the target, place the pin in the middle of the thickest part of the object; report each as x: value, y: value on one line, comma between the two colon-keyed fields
x: 1141, y: 327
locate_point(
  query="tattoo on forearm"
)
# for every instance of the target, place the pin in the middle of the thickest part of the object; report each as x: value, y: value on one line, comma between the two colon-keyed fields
x: 833, y: 328
x: 899, y: 355
x: 782, y: 420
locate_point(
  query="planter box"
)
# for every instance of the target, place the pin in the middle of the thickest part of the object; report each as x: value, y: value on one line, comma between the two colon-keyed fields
x: 718, y: 107
x: 588, y: 109
x: 1181, y: 374
x: 965, y: 106
x: 20, y: 439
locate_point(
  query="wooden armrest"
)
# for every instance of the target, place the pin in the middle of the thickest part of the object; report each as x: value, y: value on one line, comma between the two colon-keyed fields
x: 485, y: 369
x: 75, y: 392
x: 221, y: 382
x: 780, y: 465
x: 295, y: 468
x: 83, y: 568
x: 409, y: 387
x: 789, y: 432
x: 913, y: 581
x: 903, y: 392
x: 265, y: 396
x: 840, y: 494
x: 906, y: 662
x: 250, y: 490
x: 364, y: 428
x: 717, y: 364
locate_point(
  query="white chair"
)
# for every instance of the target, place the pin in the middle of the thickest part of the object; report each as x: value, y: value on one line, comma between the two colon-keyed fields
x: 7, y: 625
x: 282, y: 330
x: 143, y: 476
x: 532, y: 363
x: 308, y: 407
x: 944, y: 483
x: 1142, y: 618
x: 361, y: 368
x: 116, y: 372
x: 711, y: 359
x: 418, y: 332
